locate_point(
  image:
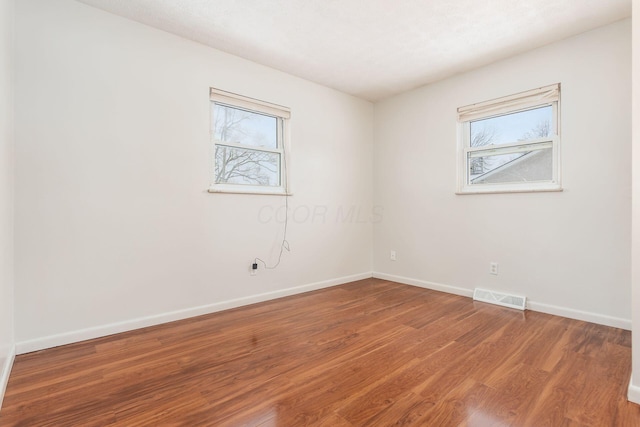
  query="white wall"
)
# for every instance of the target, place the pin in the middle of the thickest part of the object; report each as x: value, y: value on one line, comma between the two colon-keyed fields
x: 6, y: 193
x: 634, y: 385
x: 114, y: 228
x: 113, y: 221
x: 567, y: 252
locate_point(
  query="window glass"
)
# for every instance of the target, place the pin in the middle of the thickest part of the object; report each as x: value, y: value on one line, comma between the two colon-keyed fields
x: 528, y: 166
x: 514, y: 127
x: 246, y: 166
x: 240, y: 126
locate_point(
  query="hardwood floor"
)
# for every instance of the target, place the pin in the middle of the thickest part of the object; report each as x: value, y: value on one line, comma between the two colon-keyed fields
x: 368, y: 353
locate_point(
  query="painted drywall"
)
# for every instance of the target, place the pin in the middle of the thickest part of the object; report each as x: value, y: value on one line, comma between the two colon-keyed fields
x: 568, y: 252
x: 6, y: 193
x: 113, y: 160
x: 634, y: 384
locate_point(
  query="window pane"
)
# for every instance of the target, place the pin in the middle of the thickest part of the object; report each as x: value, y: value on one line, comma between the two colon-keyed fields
x: 520, y: 126
x: 529, y: 166
x: 246, y: 166
x: 244, y: 127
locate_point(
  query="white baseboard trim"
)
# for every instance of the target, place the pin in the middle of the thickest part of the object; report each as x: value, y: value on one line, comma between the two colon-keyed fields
x: 570, y: 313
x: 50, y: 341
x: 143, y: 322
x: 600, y: 319
x: 6, y: 371
x: 633, y: 393
x: 424, y: 284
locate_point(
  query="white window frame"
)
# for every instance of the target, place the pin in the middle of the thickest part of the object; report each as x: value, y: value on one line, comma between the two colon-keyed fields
x: 282, y: 114
x: 540, y: 97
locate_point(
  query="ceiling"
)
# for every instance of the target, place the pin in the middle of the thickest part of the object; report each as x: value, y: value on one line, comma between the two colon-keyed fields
x: 372, y: 48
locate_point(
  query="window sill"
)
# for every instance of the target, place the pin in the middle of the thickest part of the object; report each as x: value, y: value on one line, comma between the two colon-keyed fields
x: 249, y: 191
x: 505, y: 191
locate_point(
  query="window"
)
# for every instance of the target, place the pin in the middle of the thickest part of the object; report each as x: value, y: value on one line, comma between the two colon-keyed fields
x: 249, y: 145
x: 511, y: 144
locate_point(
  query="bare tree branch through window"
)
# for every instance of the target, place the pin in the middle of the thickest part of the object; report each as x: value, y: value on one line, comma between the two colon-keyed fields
x: 245, y: 160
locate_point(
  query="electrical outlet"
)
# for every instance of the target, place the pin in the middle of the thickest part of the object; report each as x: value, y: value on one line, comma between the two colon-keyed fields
x: 493, y: 268
x: 392, y: 255
x: 253, y: 268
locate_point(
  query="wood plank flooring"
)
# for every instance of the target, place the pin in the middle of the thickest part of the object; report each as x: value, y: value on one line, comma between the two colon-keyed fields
x: 368, y: 353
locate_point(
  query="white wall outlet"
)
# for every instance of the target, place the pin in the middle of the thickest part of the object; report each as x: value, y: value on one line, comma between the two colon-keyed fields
x: 392, y: 255
x: 493, y: 268
x: 253, y: 271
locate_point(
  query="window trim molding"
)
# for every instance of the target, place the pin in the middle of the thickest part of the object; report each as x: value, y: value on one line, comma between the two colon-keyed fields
x: 523, y: 101
x: 280, y: 112
x: 241, y: 101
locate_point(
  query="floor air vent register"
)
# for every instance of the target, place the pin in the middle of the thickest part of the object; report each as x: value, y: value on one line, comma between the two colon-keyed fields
x: 499, y: 298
